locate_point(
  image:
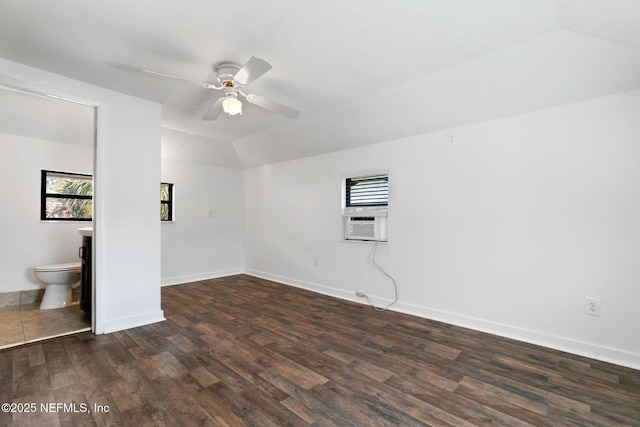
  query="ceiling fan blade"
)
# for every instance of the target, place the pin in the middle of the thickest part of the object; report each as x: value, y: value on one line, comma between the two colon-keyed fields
x: 214, y: 111
x: 169, y: 76
x: 251, y: 70
x: 266, y: 103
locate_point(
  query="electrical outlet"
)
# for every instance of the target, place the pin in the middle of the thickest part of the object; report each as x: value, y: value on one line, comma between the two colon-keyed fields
x: 593, y: 306
x: 360, y: 293
x: 452, y: 139
x: 316, y: 261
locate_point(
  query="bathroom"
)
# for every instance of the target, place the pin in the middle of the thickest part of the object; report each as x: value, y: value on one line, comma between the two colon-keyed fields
x: 38, y: 133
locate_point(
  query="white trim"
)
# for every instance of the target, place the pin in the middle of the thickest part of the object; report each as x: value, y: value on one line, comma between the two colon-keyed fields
x: 97, y: 312
x: 179, y: 280
x: 580, y: 348
x: 46, y: 91
x: 133, y: 321
x: 325, y: 290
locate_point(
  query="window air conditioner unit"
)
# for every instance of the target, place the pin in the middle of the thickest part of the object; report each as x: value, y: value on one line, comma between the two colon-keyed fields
x: 368, y: 228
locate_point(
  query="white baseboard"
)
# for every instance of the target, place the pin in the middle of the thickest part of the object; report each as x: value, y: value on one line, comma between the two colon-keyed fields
x: 325, y: 290
x: 179, y: 280
x: 133, y: 321
x: 593, y: 351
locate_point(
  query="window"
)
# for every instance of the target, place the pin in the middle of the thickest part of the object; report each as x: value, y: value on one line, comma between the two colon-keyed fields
x: 367, y: 191
x: 166, y: 202
x: 364, y: 212
x: 66, y: 196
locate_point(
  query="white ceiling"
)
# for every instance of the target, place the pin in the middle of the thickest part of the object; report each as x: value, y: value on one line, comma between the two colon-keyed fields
x: 57, y: 120
x: 359, y: 71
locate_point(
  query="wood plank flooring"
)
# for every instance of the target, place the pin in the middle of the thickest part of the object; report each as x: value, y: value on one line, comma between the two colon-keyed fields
x: 245, y: 351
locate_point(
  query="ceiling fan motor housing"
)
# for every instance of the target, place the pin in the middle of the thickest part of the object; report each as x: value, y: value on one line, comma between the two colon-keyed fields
x: 234, y: 77
x: 225, y: 72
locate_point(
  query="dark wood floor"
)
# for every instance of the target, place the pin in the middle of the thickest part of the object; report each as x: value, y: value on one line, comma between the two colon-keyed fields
x: 244, y: 351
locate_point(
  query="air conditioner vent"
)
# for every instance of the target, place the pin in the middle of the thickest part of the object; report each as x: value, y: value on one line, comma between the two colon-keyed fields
x: 371, y: 228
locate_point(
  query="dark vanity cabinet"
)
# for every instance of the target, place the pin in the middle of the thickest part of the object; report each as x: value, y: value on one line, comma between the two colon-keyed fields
x: 86, y: 275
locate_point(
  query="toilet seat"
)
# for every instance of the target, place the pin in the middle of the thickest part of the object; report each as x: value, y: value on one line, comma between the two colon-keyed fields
x: 67, y: 266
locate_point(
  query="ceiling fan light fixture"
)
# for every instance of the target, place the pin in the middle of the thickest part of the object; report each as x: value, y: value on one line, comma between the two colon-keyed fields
x: 231, y: 104
x: 233, y: 78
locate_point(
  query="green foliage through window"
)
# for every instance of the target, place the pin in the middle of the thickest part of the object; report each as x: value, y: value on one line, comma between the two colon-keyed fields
x: 66, y: 196
x: 166, y: 202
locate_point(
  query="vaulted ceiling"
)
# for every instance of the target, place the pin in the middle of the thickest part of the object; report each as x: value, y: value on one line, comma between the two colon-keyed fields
x: 359, y: 71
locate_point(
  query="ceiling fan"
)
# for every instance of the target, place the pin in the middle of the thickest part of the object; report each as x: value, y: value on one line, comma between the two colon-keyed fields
x: 233, y: 78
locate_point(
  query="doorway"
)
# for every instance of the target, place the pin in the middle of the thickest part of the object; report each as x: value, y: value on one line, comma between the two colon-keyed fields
x: 39, y: 133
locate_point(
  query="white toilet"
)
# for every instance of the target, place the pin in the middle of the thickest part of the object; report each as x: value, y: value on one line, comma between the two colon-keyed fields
x: 59, y: 279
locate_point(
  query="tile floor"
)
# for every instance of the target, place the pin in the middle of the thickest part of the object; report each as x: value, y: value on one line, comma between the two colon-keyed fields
x: 26, y: 323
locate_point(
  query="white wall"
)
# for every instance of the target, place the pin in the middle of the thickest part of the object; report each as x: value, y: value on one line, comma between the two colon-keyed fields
x: 127, y: 211
x: 126, y: 220
x: 508, y: 231
x: 206, y: 239
x: 25, y: 241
